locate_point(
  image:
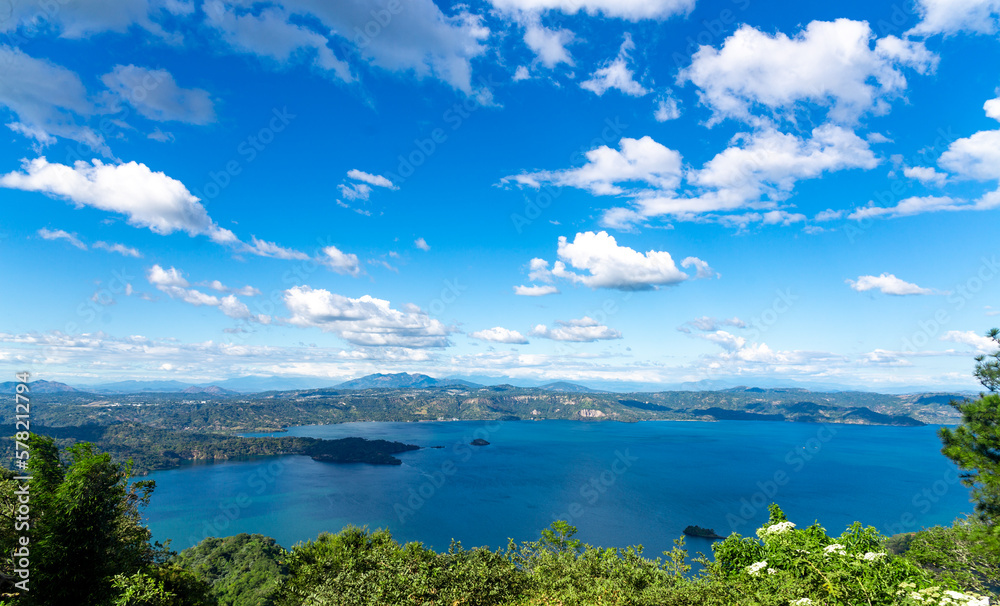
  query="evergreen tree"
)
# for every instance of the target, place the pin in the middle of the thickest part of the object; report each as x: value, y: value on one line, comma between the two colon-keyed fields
x: 975, y: 444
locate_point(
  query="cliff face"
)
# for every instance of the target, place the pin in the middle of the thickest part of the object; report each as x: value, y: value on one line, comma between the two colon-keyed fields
x: 591, y: 413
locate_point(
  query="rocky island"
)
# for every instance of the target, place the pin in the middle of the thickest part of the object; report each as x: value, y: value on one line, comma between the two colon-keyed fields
x: 702, y: 533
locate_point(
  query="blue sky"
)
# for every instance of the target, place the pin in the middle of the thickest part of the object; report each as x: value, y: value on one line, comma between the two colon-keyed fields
x: 635, y: 192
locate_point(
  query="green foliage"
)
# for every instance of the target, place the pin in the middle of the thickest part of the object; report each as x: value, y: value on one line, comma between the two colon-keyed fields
x: 370, y: 568
x: 974, y: 446
x: 988, y: 367
x: 86, y: 525
x: 966, y: 555
x: 786, y: 566
x: 241, y: 570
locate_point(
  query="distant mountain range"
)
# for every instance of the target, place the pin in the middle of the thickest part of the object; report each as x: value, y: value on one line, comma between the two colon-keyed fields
x: 257, y: 384
x: 402, y: 380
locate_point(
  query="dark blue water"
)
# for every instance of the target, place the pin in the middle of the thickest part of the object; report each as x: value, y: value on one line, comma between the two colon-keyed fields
x: 619, y: 483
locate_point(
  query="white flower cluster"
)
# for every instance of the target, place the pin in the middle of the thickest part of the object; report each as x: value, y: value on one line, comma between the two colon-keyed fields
x: 756, y: 567
x: 779, y: 528
x: 836, y: 548
x: 802, y: 602
x: 933, y: 596
x: 872, y: 555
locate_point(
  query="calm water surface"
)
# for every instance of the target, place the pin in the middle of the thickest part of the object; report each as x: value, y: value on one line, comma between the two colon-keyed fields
x: 619, y: 483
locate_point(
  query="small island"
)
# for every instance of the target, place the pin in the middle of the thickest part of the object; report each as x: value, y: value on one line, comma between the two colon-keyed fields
x: 702, y: 533
x: 479, y: 442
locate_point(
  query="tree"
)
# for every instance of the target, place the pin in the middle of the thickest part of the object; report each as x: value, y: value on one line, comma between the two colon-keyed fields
x: 975, y: 444
x: 86, y: 525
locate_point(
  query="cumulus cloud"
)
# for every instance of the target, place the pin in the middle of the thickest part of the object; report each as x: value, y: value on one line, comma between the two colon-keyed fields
x: 608, y: 265
x: 422, y: 40
x: 340, y: 262
x: 831, y: 64
x: 616, y: 74
x: 667, y: 108
x: 549, y: 45
x: 633, y: 10
x: 954, y: 16
x: 498, y: 334
x: 888, y: 284
x: 926, y: 175
x: 642, y: 161
x: 422, y: 244
x: 539, y: 290
x: 263, y: 248
x: 364, y: 321
x: 59, y: 234
x: 584, y: 330
x: 979, y: 342
x: 76, y: 20
x: 173, y: 283
x: 147, y: 198
x: 155, y: 95
x: 47, y: 100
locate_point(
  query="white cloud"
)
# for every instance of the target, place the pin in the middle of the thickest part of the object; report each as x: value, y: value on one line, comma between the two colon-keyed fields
x: 616, y: 73
x: 918, y: 205
x: 831, y: 64
x: 709, y: 324
x: 149, y: 199
x: 173, y: 283
x: 667, y: 108
x: 992, y: 108
x: 980, y: 343
x: 246, y: 291
x: 422, y: 244
x: 926, y: 175
x: 633, y: 10
x: 155, y: 95
x: 828, y: 215
x: 498, y: 334
x: 521, y: 73
x: 159, y: 135
x: 776, y: 217
x: 584, y: 330
x: 536, y: 290
x: 703, y: 270
x: 549, y: 45
x: 888, y: 284
x: 58, y: 234
x: 264, y: 248
x: 757, y: 171
x: 376, y: 180
x: 340, y: 262
x: 954, y: 16
x: 121, y: 249
x: 355, y: 191
x: 608, y: 265
x: 975, y: 157
x: 48, y: 100
x: 270, y: 34
x: 419, y: 39
x: 81, y: 19
x: 365, y: 321
x: 638, y: 161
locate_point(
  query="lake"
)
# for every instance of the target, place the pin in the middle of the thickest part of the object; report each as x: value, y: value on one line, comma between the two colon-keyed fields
x: 620, y: 483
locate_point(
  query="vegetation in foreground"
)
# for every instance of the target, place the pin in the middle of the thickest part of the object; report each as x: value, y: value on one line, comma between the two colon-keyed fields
x: 88, y: 547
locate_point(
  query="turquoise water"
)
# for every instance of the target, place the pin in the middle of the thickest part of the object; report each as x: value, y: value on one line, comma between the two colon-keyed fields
x: 619, y: 483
